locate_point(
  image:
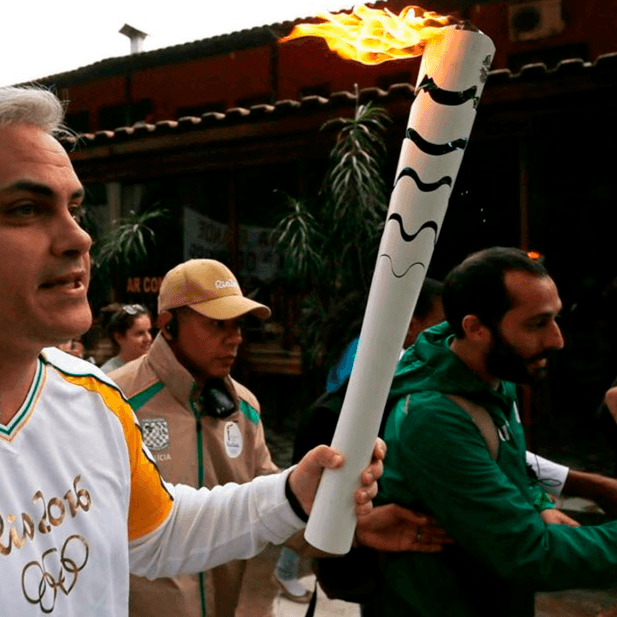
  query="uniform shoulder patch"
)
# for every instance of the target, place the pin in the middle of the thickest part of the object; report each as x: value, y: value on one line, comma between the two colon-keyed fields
x: 156, y: 433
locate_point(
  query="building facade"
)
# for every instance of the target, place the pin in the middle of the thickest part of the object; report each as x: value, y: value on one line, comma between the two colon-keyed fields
x: 216, y: 130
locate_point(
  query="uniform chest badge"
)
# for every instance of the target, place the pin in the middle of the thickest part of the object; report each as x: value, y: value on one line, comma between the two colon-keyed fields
x: 156, y: 433
x: 233, y: 440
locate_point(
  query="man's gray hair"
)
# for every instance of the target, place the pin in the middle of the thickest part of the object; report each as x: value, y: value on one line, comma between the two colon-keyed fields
x: 33, y: 106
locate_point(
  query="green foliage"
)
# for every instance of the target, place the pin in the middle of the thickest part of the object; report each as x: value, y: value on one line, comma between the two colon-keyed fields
x: 355, y: 175
x: 330, y: 242
x: 132, y: 244
x: 300, y: 236
x: 128, y: 244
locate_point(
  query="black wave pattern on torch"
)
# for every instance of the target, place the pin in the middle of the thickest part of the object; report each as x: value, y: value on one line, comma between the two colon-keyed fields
x: 409, y: 238
x: 448, y: 97
x: 425, y: 187
x: 435, y: 149
x: 442, y: 97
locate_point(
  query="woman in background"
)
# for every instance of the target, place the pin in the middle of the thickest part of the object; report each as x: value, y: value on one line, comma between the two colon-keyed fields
x: 128, y: 327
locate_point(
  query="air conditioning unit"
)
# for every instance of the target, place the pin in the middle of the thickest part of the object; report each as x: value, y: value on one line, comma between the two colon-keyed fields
x: 538, y: 19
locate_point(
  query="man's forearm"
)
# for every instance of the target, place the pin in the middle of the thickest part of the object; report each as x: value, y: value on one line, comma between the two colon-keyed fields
x: 599, y: 488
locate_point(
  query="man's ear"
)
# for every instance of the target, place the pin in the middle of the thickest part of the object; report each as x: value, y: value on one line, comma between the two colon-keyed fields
x: 475, y: 330
x: 162, y: 322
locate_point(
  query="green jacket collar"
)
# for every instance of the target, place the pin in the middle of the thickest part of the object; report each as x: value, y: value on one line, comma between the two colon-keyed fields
x: 430, y: 365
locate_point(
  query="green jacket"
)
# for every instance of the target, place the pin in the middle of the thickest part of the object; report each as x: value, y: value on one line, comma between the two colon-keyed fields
x: 438, y: 463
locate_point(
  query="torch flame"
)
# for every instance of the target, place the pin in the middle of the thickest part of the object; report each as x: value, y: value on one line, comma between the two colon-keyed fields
x: 372, y: 36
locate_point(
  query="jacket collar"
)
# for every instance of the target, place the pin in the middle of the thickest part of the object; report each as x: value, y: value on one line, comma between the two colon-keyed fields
x: 431, y: 365
x: 176, y: 378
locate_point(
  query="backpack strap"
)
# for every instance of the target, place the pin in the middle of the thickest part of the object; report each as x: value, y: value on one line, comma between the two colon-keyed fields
x: 482, y: 420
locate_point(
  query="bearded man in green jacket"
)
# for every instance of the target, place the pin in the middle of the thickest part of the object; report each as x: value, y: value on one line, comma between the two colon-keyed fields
x: 501, y: 309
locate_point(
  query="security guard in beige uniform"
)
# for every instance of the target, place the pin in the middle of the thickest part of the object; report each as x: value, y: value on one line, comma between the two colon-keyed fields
x: 202, y: 427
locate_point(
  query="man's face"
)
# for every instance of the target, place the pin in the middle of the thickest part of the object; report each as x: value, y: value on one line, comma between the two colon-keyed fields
x: 44, y: 261
x: 528, y: 332
x: 207, y: 347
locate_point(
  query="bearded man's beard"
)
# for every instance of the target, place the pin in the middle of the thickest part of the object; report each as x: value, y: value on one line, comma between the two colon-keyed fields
x: 504, y: 362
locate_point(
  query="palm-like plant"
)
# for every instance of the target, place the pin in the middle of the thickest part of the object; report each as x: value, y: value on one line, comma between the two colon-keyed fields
x: 330, y: 242
x: 354, y: 195
x: 123, y: 251
x: 300, y: 236
x: 129, y: 243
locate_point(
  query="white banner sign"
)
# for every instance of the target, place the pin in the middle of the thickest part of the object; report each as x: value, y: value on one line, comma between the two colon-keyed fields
x: 208, y: 239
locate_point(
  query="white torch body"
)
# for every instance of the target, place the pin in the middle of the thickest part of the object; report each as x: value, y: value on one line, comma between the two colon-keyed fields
x: 452, y: 73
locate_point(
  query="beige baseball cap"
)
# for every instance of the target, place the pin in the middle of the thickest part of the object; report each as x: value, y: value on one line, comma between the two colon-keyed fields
x: 209, y: 288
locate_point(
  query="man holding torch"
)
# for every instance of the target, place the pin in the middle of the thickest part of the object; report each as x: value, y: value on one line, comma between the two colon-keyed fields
x: 500, y: 307
x: 82, y: 500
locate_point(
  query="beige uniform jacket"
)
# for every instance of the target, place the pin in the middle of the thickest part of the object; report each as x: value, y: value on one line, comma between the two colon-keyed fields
x: 198, y: 450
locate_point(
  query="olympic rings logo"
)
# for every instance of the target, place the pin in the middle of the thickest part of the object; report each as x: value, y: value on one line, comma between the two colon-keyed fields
x: 40, y: 581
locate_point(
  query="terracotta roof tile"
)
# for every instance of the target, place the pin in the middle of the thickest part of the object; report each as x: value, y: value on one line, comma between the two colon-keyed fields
x: 210, y: 116
x: 404, y: 90
x: 237, y: 113
x: 314, y: 100
x: 287, y: 104
x: 103, y: 135
x: 372, y: 94
x: 607, y: 59
x: 603, y: 69
x: 498, y: 77
x: 342, y: 98
x: 572, y: 66
x: 124, y: 131
x: 165, y: 125
x: 143, y: 128
x: 188, y: 122
x: 262, y: 108
x: 529, y: 72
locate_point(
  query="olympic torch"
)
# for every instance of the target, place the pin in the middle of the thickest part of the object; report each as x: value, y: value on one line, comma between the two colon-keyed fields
x: 454, y: 67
